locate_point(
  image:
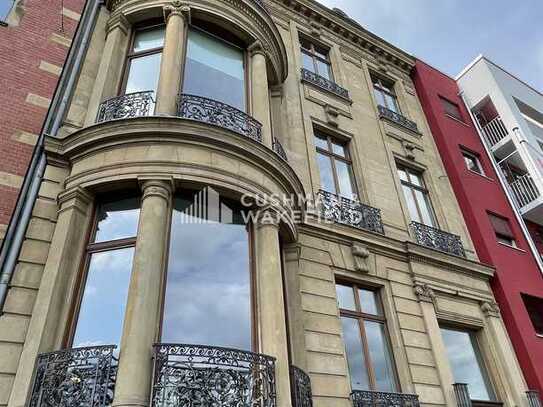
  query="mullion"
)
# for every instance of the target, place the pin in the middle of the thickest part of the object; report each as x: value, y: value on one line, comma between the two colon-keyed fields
x: 364, y: 339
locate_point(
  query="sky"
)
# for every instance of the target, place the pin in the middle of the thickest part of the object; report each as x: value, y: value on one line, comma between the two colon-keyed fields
x: 449, y: 34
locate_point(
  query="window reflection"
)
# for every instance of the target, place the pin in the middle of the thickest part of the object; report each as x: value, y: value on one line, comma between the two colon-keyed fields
x: 117, y: 220
x: 208, y: 294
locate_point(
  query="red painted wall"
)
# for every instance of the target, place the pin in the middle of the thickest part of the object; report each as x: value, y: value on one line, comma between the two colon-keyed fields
x: 516, y: 269
x: 22, y: 48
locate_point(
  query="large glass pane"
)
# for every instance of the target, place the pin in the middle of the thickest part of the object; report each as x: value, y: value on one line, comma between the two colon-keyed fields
x: 369, y: 302
x: 324, y: 69
x: 355, y: 354
x: 345, y: 297
x: 208, y: 298
x: 402, y: 174
x: 464, y: 357
x: 392, y: 103
x: 214, y: 69
x: 425, y: 208
x: 101, y: 314
x: 380, y: 356
x: 5, y: 7
x: 345, y: 180
x: 338, y: 149
x: 117, y: 220
x: 326, y: 173
x: 307, y: 62
x: 379, y: 98
x: 321, y: 143
x: 143, y: 74
x: 411, y: 205
x: 149, y: 39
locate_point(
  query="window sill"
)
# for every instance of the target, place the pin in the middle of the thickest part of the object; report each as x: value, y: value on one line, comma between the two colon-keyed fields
x: 481, y: 175
x: 457, y: 120
x: 512, y: 247
x: 539, y: 335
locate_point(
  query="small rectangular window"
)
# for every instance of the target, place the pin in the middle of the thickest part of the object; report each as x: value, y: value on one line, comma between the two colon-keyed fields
x: 534, y: 306
x: 503, y: 231
x: 316, y: 58
x: 383, y: 89
x: 451, y: 109
x: 472, y: 162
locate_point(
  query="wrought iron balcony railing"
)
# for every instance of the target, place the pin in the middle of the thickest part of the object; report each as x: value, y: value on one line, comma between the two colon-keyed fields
x: 199, y: 375
x: 126, y: 106
x: 349, y: 212
x: 437, y: 239
x: 533, y: 398
x: 366, y: 398
x: 278, y: 148
x: 324, y: 83
x: 397, y: 118
x: 75, y: 377
x: 220, y: 114
x: 301, y: 388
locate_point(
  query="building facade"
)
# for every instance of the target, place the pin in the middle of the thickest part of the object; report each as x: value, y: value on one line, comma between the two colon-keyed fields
x: 499, y: 236
x: 243, y: 205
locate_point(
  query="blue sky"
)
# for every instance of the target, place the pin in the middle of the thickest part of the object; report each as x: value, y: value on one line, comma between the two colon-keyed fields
x: 449, y: 34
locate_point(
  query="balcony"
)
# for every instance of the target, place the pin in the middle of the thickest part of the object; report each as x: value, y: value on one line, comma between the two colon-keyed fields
x: 301, y: 388
x: 437, y: 239
x: 365, y: 398
x: 397, y: 118
x: 326, y: 84
x: 75, y: 377
x: 199, y: 375
x: 494, y: 131
x: 348, y: 212
x: 135, y: 104
x: 524, y: 190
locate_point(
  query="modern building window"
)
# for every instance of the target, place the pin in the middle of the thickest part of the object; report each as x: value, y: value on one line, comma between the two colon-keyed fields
x: 104, y: 288
x: 451, y: 109
x: 316, y: 59
x: 5, y: 8
x: 208, y: 299
x: 466, y: 362
x: 143, y: 63
x: 215, y: 68
x: 472, y: 162
x: 416, y: 196
x: 367, y: 346
x: 503, y: 231
x: 335, y: 167
x: 383, y: 89
x: 534, y: 306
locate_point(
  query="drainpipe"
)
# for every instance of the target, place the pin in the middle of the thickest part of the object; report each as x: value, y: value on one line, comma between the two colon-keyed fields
x: 15, y: 233
x: 505, y: 187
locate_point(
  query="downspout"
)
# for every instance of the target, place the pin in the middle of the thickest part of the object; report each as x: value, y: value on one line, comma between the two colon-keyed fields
x: 16, y: 230
x: 505, y: 187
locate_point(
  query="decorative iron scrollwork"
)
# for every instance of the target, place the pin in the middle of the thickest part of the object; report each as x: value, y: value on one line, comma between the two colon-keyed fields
x: 278, y: 148
x: 397, y: 118
x: 301, y: 388
x: 126, y: 106
x: 75, y: 377
x: 366, y: 398
x: 220, y: 114
x: 199, y: 375
x: 438, y: 239
x: 324, y: 83
x: 349, y: 212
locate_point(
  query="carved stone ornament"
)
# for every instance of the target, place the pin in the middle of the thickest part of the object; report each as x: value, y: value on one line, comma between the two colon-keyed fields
x: 315, y: 29
x: 361, y: 256
x: 490, y: 309
x: 424, y: 293
x: 409, y: 150
x: 331, y: 115
x: 177, y: 8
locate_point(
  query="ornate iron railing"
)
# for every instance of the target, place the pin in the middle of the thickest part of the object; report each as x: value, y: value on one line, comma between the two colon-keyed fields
x: 301, y: 388
x: 397, y: 118
x: 438, y: 239
x: 75, y: 377
x: 199, y: 375
x: 278, y: 148
x: 349, y: 212
x: 126, y: 106
x: 220, y: 114
x: 533, y: 398
x: 366, y: 398
x: 324, y: 83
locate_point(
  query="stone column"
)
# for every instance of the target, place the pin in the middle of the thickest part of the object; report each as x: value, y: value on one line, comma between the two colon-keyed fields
x: 270, y: 301
x: 111, y: 65
x: 141, y: 319
x: 171, y: 65
x: 260, y: 98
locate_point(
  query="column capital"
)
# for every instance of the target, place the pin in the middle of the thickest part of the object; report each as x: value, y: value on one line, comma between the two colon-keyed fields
x: 77, y: 198
x: 176, y: 8
x: 424, y: 293
x: 490, y: 309
x: 118, y: 21
x: 256, y: 48
x: 162, y: 187
x: 267, y: 216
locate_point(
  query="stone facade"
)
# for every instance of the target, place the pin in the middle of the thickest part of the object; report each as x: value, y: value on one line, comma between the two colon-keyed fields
x: 296, y: 262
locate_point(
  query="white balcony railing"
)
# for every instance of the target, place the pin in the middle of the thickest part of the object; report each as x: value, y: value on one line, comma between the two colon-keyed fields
x: 495, y: 131
x: 525, y: 190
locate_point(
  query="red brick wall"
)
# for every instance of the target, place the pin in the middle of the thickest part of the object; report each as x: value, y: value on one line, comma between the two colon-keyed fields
x: 24, y: 47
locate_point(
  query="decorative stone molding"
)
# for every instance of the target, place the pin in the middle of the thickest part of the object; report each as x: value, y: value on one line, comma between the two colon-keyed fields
x: 424, y: 293
x: 490, y: 309
x: 176, y: 8
x: 118, y: 21
x: 409, y: 149
x: 76, y: 198
x: 315, y: 29
x: 331, y: 115
x: 157, y: 187
x: 361, y: 256
x: 256, y: 48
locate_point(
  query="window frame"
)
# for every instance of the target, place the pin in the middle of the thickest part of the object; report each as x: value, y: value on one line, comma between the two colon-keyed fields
x: 360, y: 317
x: 530, y: 302
x: 422, y: 188
x: 447, y: 102
x: 313, y: 54
x: 510, y: 239
x: 333, y: 157
x: 378, y: 84
x: 476, y: 157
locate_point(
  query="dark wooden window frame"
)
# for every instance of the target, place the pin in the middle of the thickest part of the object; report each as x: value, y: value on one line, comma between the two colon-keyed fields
x: 379, y: 84
x: 361, y: 317
x: 412, y: 186
x: 312, y: 53
x: 330, y: 153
